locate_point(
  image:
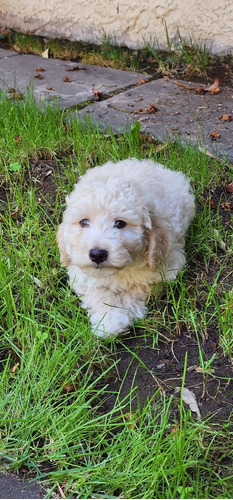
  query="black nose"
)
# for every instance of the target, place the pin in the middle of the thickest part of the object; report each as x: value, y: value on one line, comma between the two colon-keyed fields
x: 98, y: 255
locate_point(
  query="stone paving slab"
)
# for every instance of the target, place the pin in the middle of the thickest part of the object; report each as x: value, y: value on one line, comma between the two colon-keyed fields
x: 12, y: 487
x: 19, y: 71
x: 7, y: 53
x: 180, y: 112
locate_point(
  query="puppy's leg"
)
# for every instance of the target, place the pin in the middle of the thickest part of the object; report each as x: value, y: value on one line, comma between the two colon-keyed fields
x: 112, y: 313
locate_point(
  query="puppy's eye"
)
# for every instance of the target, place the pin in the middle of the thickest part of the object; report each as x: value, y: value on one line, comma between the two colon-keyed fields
x: 119, y: 224
x: 84, y: 223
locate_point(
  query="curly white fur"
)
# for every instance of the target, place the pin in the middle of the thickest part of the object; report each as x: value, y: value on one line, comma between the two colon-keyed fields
x: 157, y: 207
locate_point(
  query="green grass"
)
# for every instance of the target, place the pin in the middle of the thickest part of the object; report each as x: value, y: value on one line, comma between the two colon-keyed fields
x: 55, y: 374
x: 183, y: 55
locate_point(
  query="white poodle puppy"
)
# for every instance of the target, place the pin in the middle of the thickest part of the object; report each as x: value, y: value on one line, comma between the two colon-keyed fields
x: 124, y: 230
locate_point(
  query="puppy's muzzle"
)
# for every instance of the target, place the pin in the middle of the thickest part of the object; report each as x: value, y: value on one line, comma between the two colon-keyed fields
x: 98, y: 255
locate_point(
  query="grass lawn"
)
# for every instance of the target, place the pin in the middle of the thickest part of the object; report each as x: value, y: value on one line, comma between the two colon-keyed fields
x: 99, y: 418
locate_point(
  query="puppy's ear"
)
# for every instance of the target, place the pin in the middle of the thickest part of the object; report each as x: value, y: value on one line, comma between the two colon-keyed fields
x: 64, y: 258
x: 159, y: 244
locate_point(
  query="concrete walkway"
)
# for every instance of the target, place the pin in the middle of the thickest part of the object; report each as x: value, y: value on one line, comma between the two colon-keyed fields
x: 163, y: 108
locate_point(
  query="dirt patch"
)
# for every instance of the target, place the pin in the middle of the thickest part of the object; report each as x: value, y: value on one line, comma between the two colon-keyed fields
x: 40, y: 176
x: 164, y: 371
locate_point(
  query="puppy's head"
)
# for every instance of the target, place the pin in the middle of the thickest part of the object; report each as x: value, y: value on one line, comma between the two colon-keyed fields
x: 106, y: 227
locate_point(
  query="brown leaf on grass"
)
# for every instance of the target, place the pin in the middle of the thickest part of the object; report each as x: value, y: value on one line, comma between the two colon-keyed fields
x: 38, y: 76
x: 225, y: 118
x: 151, y: 109
x: 76, y: 68
x: 39, y: 69
x: 18, y: 138
x: 16, y: 95
x: 214, y: 135
x: 229, y: 187
x: 69, y: 387
x: 11, y: 90
x: 66, y: 79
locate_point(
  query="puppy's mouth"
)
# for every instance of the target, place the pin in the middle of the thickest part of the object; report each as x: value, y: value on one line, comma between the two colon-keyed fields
x: 100, y: 269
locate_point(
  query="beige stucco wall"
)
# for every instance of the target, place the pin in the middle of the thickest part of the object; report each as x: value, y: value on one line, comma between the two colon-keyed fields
x: 130, y: 22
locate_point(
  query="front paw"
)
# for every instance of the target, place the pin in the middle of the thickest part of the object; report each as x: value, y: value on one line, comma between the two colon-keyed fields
x: 111, y: 324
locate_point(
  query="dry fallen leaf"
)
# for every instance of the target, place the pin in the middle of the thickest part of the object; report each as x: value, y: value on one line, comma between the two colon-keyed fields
x: 227, y: 206
x: 221, y: 243
x: 151, y: 109
x: 229, y: 187
x: 141, y: 81
x: 16, y: 95
x: 190, y: 399
x: 200, y: 90
x: 45, y: 53
x: 18, y: 138
x: 225, y: 118
x: 140, y: 110
x: 66, y: 79
x: 39, y: 76
x: 216, y: 91
x: 49, y: 88
x: 39, y: 69
x: 69, y: 387
x: 214, y: 135
x: 214, y: 86
x: 96, y: 93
